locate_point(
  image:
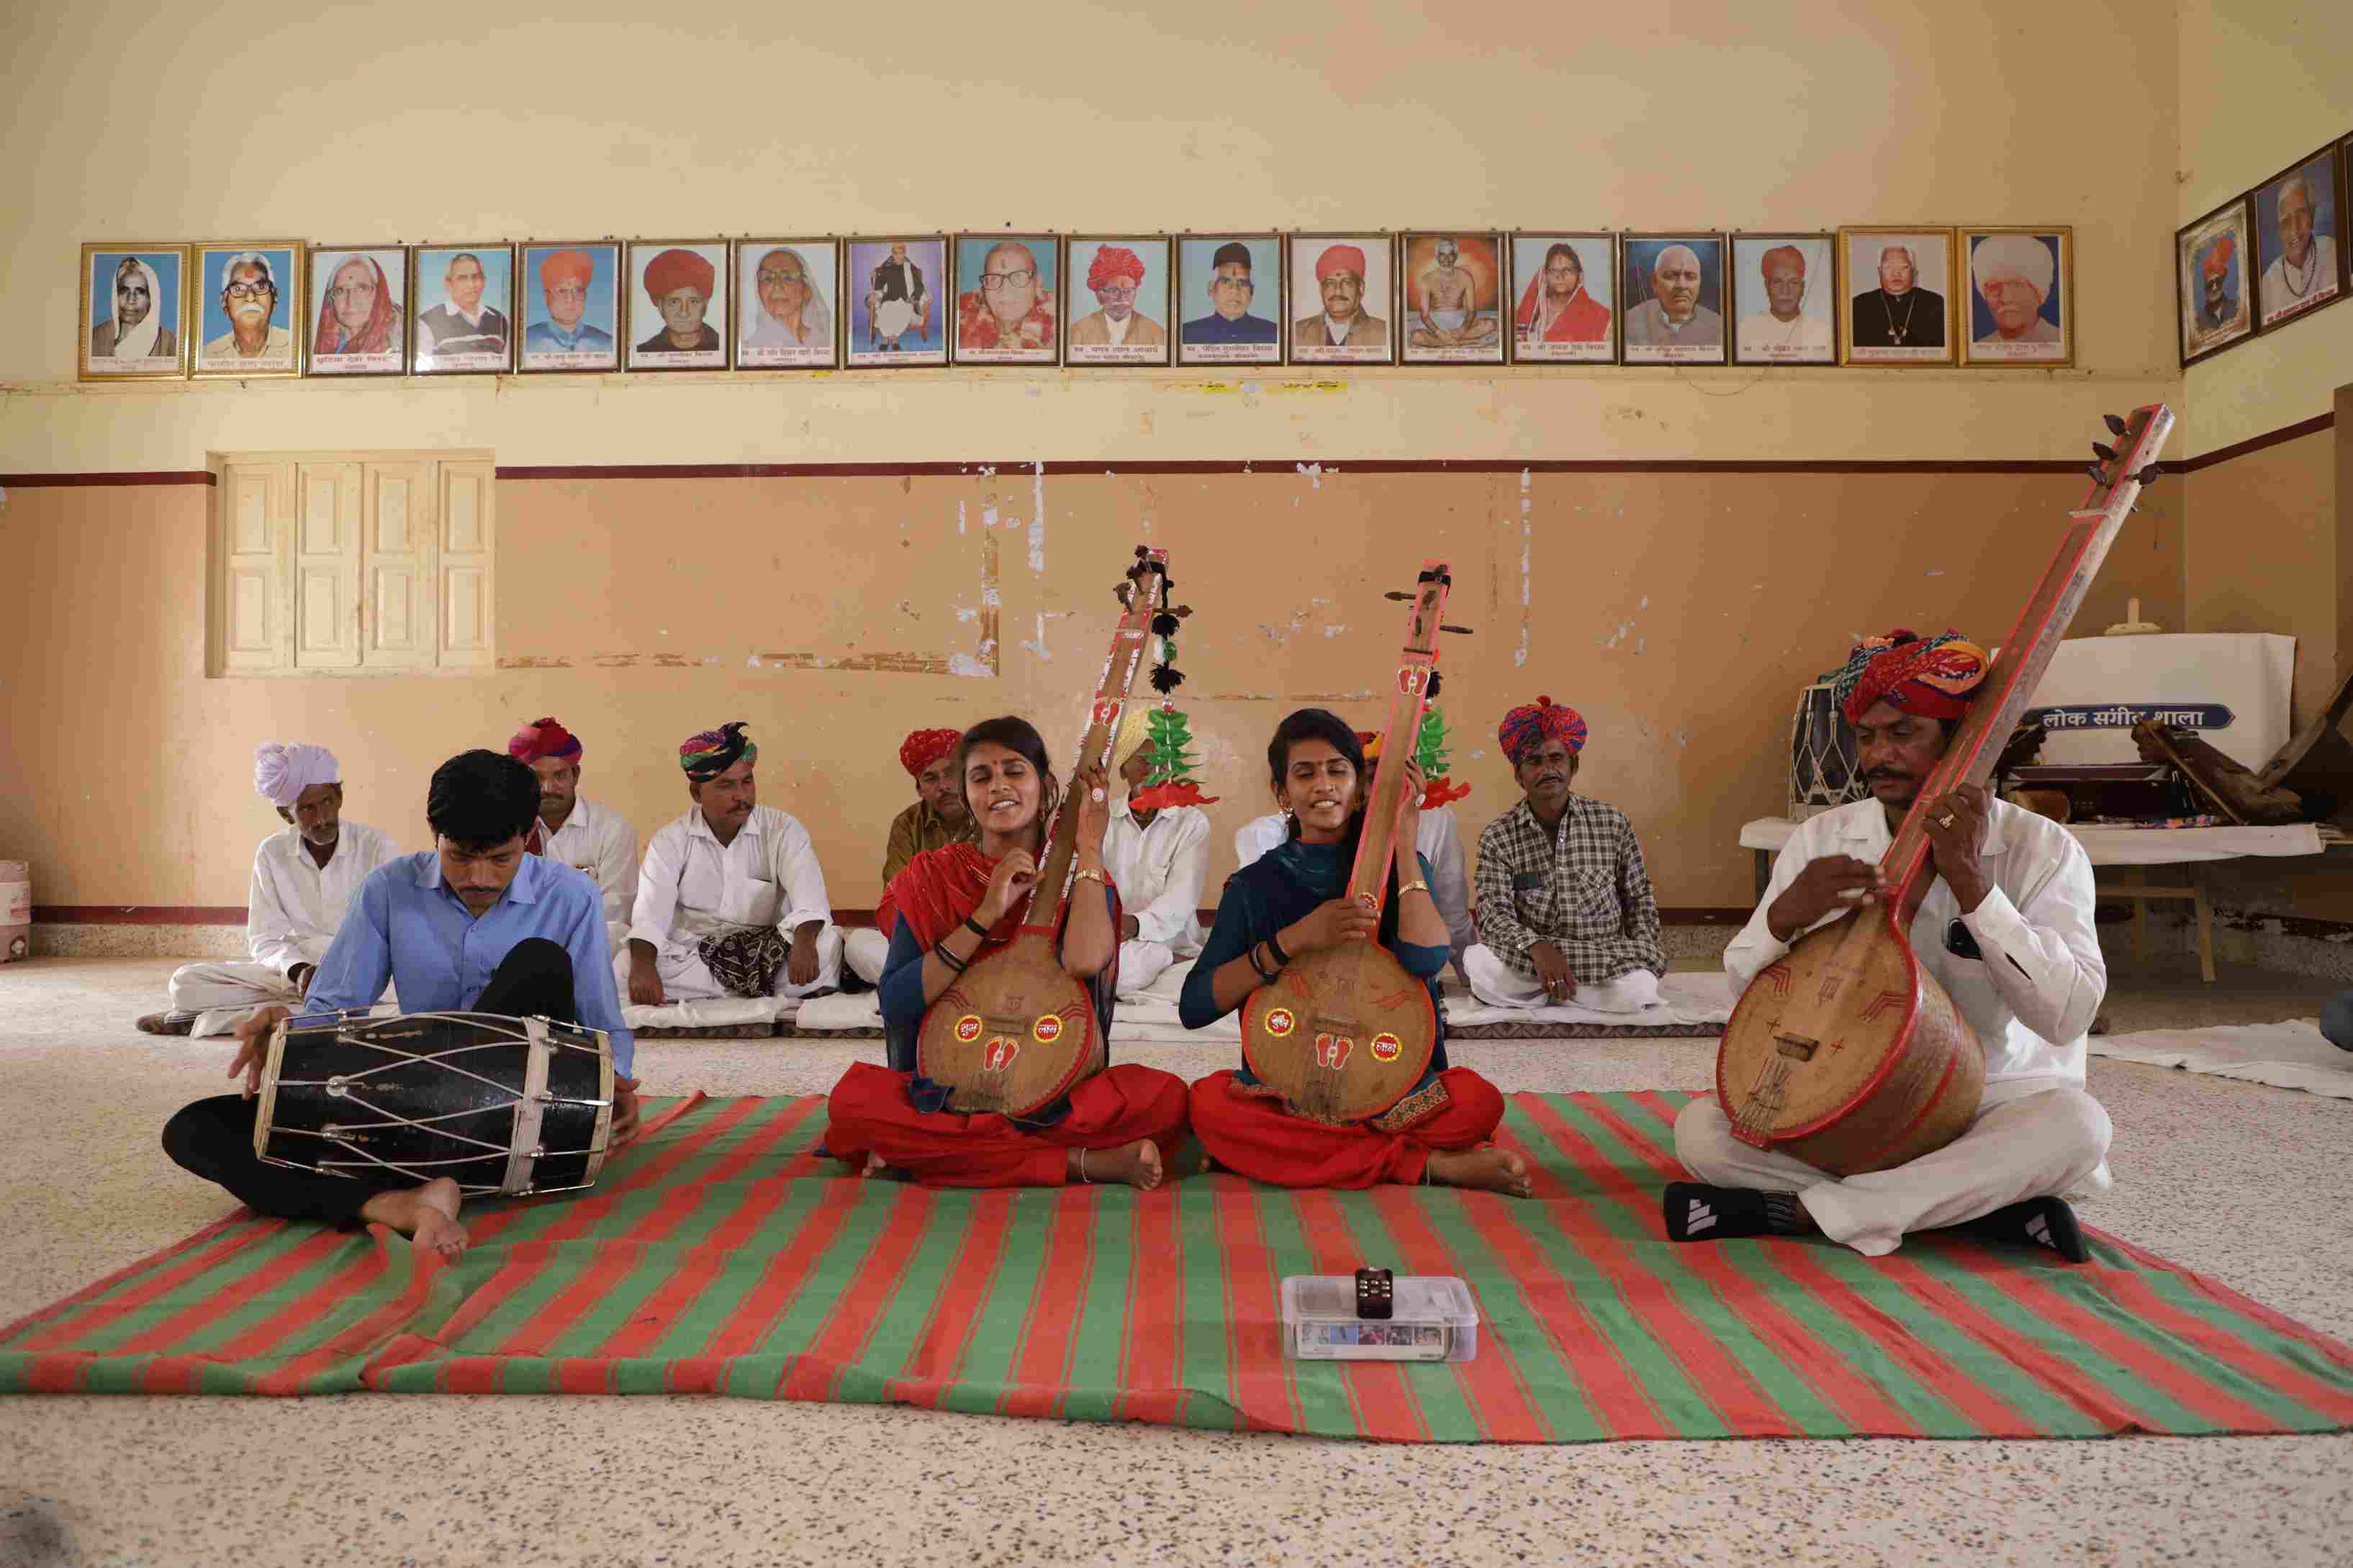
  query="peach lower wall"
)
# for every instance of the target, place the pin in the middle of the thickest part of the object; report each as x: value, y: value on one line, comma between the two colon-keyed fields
x: 1679, y: 611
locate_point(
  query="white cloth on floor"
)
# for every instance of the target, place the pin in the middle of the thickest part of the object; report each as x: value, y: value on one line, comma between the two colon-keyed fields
x: 1498, y: 984
x: 224, y: 995
x: 1141, y: 962
x: 866, y: 950
x: 1438, y: 839
x: 2032, y: 994
x: 599, y: 843
x: 2293, y: 1054
x: 691, y: 886
x: 293, y: 907
x: 1159, y: 870
x: 2035, y: 1140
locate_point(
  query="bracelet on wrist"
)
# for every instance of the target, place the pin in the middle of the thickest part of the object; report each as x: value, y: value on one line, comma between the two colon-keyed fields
x: 958, y: 964
x: 1274, y: 951
x: 979, y: 931
x: 1265, y: 976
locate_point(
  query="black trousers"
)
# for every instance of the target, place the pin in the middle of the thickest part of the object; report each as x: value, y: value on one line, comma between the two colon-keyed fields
x: 213, y: 1138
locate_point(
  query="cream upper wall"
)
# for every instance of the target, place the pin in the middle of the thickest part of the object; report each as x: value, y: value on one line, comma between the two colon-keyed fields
x: 351, y: 125
x: 2264, y: 82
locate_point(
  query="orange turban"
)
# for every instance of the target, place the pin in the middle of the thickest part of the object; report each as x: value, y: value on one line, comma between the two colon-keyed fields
x: 566, y: 267
x: 2218, y: 259
x: 1115, y: 261
x: 1340, y: 258
x: 674, y: 269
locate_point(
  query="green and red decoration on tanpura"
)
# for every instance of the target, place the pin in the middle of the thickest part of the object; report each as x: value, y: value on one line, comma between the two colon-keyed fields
x: 1430, y: 755
x: 1171, y: 781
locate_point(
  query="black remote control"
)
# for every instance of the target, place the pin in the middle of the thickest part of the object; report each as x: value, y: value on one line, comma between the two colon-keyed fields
x: 1375, y: 1293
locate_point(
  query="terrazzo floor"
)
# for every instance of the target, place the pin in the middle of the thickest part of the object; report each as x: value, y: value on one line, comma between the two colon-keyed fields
x: 2249, y: 1183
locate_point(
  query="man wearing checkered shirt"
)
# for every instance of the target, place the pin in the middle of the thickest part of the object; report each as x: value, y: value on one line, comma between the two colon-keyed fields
x: 1566, y: 915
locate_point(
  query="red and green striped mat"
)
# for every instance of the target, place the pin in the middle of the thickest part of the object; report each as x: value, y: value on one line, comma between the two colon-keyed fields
x: 722, y: 1255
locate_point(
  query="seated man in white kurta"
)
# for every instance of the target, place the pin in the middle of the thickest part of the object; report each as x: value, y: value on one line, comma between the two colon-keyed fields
x: 1438, y: 839
x: 1565, y: 913
x: 2005, y: 927
x: 593, y: 840
x: 731, y: 902
x: 303, y: 879
x: 1157, y: 858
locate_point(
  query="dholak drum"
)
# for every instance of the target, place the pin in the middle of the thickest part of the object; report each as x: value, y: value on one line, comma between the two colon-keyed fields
x: 498, y: 1105
x: 894, y: 318
x: 1825, y: 769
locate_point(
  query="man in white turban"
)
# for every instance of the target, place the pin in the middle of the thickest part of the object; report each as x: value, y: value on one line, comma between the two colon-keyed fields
x: 1158, y: 858
x: 2013, y: 274
x: 304, y: 877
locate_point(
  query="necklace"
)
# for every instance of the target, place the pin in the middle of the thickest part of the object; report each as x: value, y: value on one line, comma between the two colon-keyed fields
x: 2311, y: 270
x: 1898, y: 335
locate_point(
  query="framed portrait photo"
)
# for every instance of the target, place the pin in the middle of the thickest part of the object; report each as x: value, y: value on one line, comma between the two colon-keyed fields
x: 2021, y: 298
x: 134, y: 311
x: 2213, y: 305
x: 1451, y: 297
x: 787, y: 295
x: 1672, y: 311
x: 1339, y: 284
x: 569, y: 294
x: 2299, y: 243
x: 1230, y: 299
x: 678, y: 305
x: 897, y: 315
x: 1006, y: 306
x: 358, y: 322
x: 1896, y: 285
x: 1784, y: 298
x: 1116, y: 309
x: 463, y: 322
x: 1564, y: 292
x: 243, y: 298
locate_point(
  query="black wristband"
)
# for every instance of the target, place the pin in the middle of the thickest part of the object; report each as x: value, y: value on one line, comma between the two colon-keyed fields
x: 1274, y: 951
x: 979, y: 931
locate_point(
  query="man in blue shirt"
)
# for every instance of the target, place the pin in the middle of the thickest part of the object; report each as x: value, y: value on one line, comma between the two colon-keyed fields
x: 475, y: 925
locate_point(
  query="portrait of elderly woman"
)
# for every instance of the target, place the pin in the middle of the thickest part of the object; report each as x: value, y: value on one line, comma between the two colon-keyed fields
x: 130, y: 311
x: 677, y: 306
x: 359, y: 327
x: 785, y: 289
x: 1005, y: 299
x: 1128, y: 280
x: 2020, y: 304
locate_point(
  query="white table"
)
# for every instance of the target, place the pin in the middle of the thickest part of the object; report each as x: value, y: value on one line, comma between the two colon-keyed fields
x: 2131, y: 846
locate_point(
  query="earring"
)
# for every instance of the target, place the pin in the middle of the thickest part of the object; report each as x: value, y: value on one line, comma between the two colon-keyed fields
x: 1286, y: 808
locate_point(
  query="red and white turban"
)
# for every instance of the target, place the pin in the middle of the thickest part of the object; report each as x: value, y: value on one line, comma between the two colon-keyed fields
x: 1530, y: 725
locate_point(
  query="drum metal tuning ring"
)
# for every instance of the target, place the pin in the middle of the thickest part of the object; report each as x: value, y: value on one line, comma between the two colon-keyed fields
x: 335, y: 1087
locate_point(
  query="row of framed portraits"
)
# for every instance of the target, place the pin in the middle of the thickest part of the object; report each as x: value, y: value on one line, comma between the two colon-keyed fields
x: 1868, y: 296
x: 2265, y: 257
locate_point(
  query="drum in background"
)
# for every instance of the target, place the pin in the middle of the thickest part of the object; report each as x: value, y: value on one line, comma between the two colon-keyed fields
x: 500, y: 1105
x: 1825, y: 768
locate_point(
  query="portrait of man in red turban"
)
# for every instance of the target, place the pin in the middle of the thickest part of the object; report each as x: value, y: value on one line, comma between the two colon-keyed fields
x: 679, y: 284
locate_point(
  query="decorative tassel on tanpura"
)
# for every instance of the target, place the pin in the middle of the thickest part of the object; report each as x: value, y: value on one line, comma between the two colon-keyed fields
x: 1170, y: 783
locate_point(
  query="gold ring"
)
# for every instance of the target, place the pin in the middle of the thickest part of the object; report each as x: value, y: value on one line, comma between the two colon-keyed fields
x: 1946, y: 820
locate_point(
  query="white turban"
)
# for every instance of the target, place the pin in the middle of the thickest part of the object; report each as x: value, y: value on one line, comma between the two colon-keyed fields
x: 1135, y: 734
x: 2022, y: 256
x: 282, y: 769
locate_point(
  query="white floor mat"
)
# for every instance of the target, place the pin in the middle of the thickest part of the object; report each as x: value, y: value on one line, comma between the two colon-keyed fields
x: 2293, y: 1055
x: 711, y: 1012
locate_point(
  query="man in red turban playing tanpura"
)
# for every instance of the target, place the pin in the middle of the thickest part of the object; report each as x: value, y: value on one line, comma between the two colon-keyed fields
x: 2006, y: 928
x: 938, y: 819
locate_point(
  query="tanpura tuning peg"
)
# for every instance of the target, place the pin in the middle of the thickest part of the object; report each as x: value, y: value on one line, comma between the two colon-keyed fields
x: 2106, y: 454
x: 2150, y: 474
x: 2097, y: 477
x: 1460, y: 631
x: 2115, y: 425
x: 1400, y: 597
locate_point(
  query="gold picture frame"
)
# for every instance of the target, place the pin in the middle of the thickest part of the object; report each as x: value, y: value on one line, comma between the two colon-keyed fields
x: 161, y: 275
x: 216, y: 357
x: 2047, y: 340
x: 1883, y: 329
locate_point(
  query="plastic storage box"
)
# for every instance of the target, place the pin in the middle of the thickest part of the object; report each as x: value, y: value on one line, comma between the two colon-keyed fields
x: 1434, y: 1319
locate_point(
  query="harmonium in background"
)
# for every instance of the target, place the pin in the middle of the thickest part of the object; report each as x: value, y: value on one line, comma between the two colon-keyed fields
x: 2102, y: 792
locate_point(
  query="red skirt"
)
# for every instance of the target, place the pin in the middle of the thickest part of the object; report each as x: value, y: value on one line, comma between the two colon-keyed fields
x: 869, y: 1113
x: 1254, y: 1136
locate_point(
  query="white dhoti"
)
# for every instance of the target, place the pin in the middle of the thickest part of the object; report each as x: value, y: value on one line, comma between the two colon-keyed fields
x: 865, y: 951
x: 1140, y: 963
x: 1498, y: 984
x: 686, y: 978
x: 1449, y: 320
x: 2032, y: 1145
x: 224, y: 995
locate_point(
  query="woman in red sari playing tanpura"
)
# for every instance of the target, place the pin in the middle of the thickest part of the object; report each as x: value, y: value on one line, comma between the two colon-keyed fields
x: 1123, y: 1123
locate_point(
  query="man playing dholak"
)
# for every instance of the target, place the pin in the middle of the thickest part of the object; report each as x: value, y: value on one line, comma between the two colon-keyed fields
x: 304, y: 877
x: 472, y: 925
x: 938, y: 819
x: 1294, y: 902
x: 2006, y: 928
x: 731, y: 901
x: 945, y: 911
x: 1565, y: 913
x: 593, y: 840
x: 1157, y: 859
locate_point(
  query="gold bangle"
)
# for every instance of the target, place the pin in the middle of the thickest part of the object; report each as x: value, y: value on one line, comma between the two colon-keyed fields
x: 1090, y: 876
x: 1416, y: 885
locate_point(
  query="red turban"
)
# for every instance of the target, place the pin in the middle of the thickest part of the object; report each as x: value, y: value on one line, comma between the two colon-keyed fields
x: 1340, y: 258
x: 566, y: 267
x: 674, y: 269
x: 1115, y: 261
x: 2218, y: 259
x: 921, y: 748
x: 1526, y: 727
x: 543, y: 738
x: 1932, y: 677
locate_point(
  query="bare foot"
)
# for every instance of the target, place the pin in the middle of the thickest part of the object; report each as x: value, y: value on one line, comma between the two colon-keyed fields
x: 1495, y: 1169
x: 428, y: 1216
x: 1136, y: 1163
x: 874, y: 1166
